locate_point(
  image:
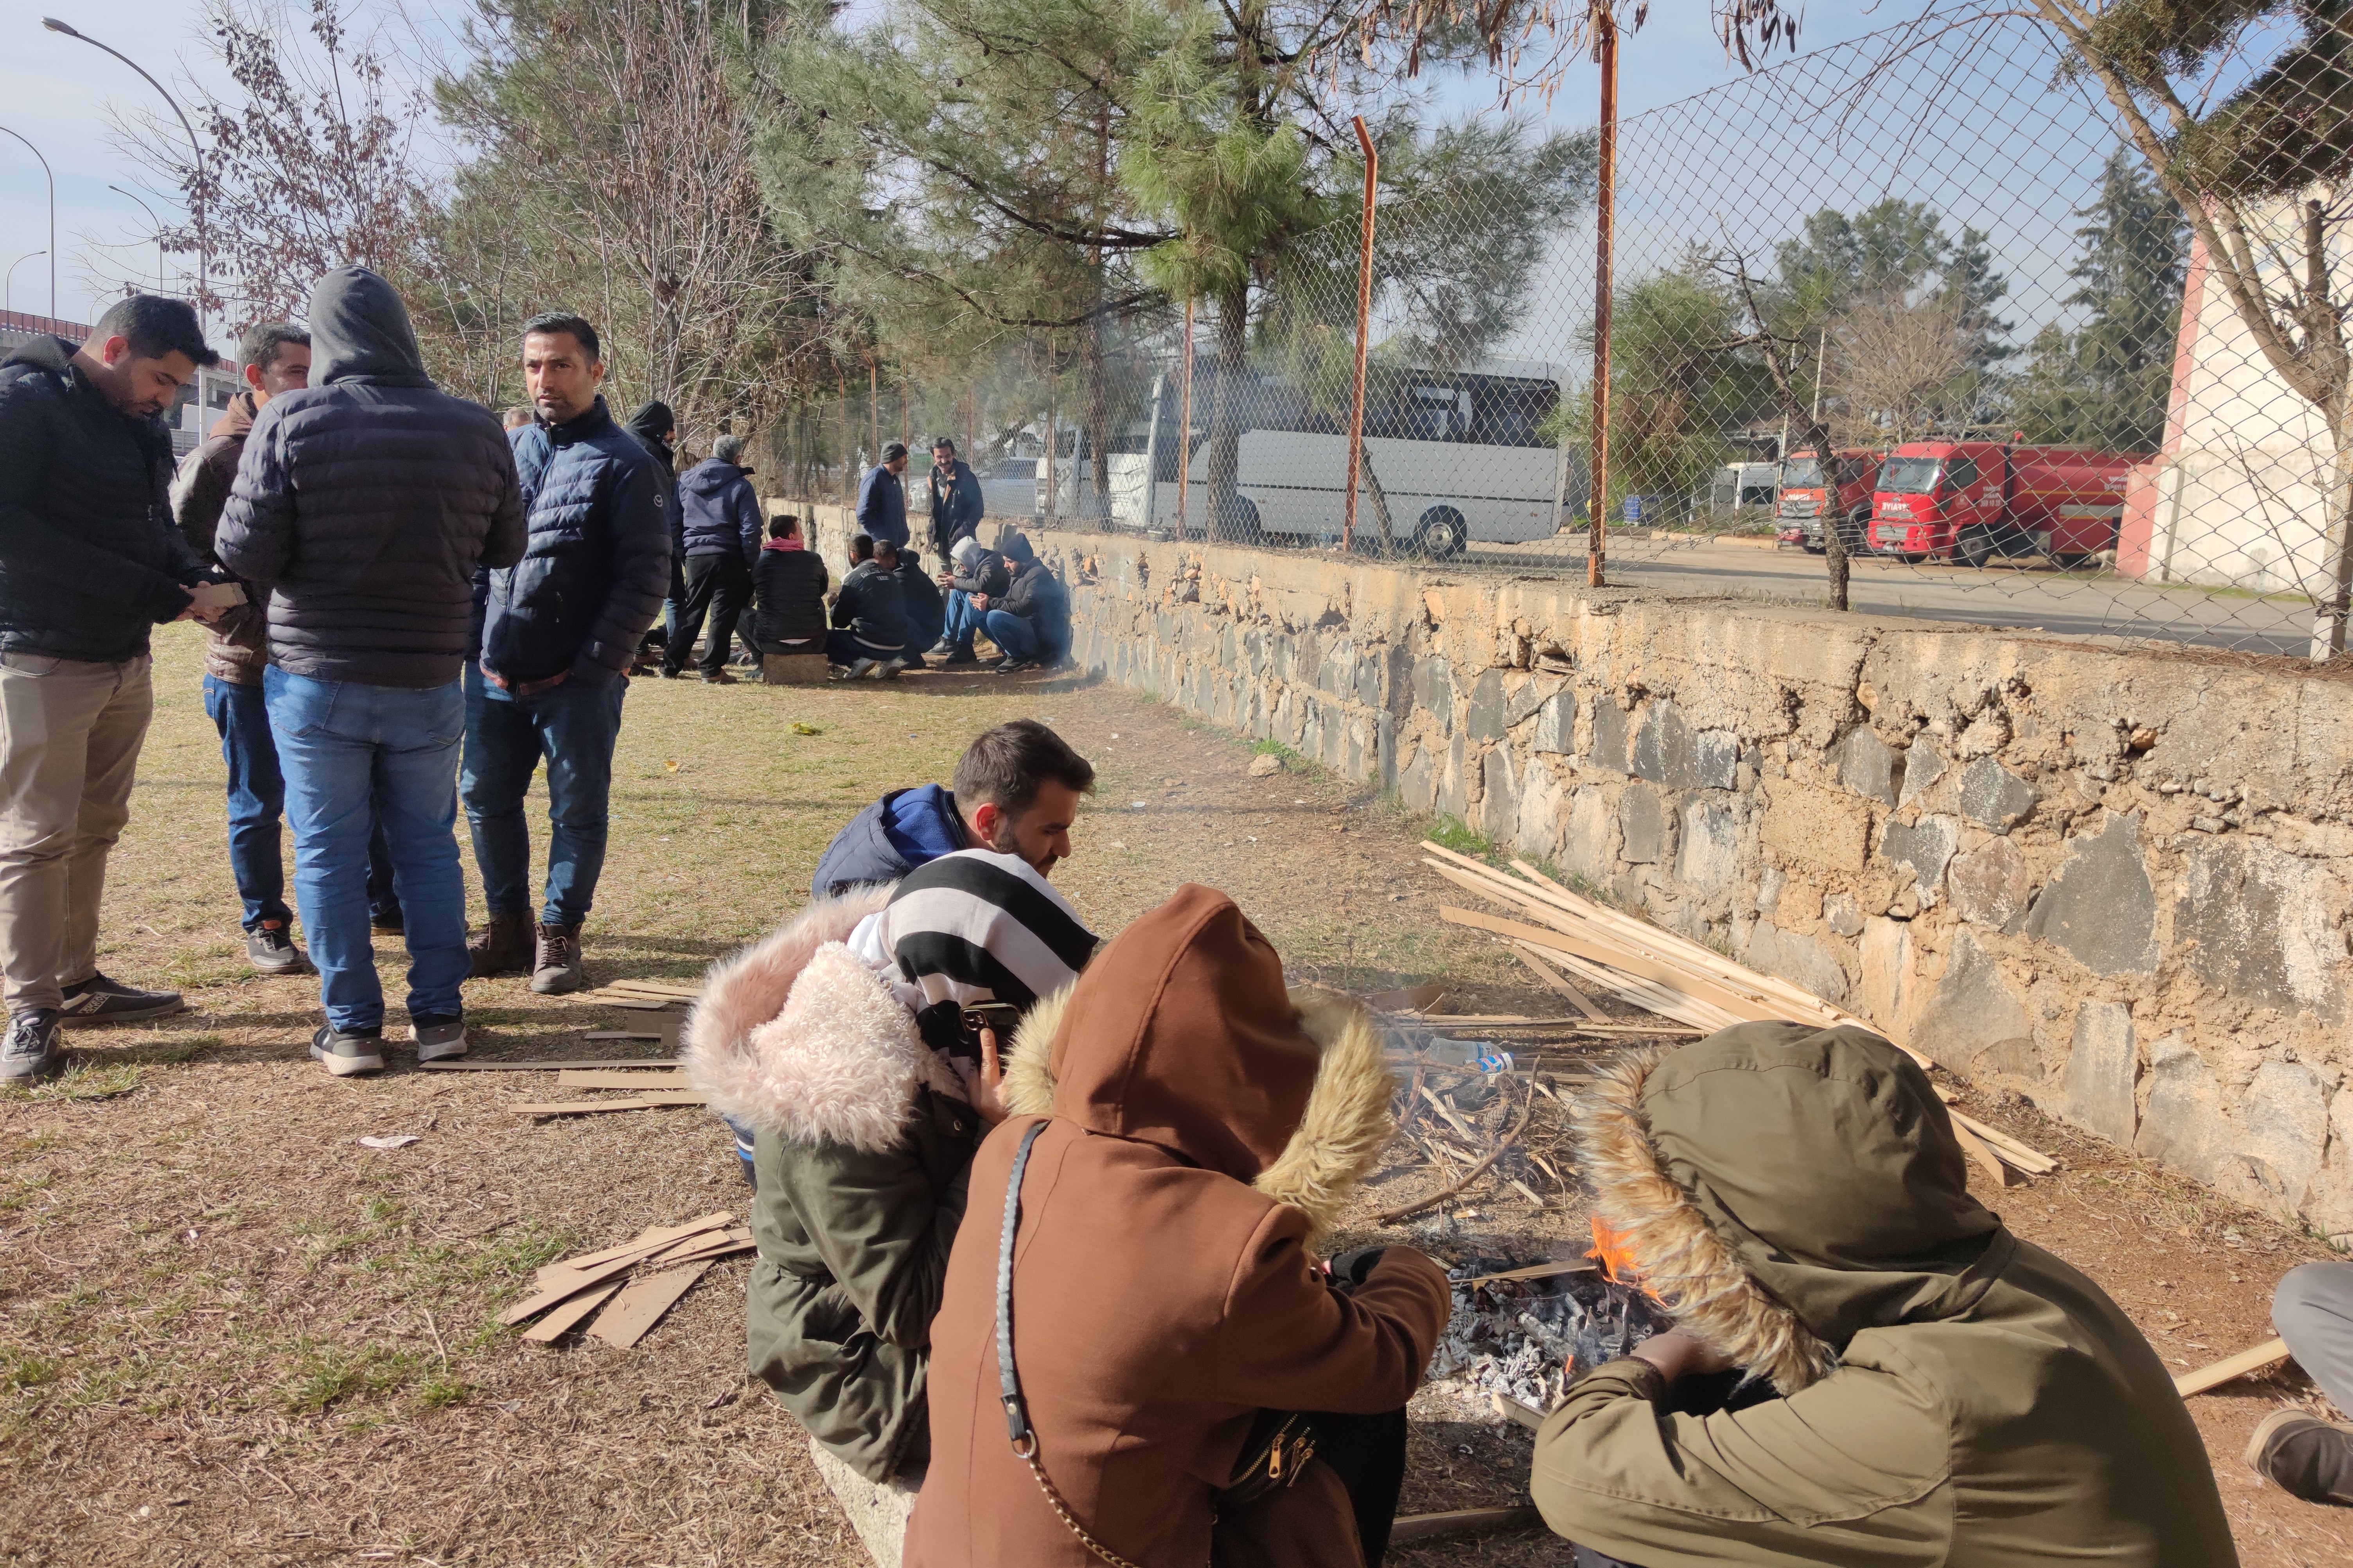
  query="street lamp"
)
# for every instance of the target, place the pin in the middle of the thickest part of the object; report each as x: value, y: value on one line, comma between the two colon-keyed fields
x: 52, y: 252
x: 196, y: 150
x: 118, y: 191
x: 8, y: 287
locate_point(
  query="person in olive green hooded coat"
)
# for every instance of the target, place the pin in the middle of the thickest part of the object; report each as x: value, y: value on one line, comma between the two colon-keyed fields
x: 1948, y: 1394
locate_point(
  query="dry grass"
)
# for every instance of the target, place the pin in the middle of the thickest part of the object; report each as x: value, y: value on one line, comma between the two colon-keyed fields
x: 227, y: 1332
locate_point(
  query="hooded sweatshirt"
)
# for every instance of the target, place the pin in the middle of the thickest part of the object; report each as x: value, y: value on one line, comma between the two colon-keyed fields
x: 1949, y: 1396
x: 720, y: 514
x: 366, y: 501
x: 1204, y: 1128
x: 978, y: 569
x: 652, y: 425
x: 89, y: 559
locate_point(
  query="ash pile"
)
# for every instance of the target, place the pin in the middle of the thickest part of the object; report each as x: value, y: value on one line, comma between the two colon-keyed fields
x: 1528, y: 1339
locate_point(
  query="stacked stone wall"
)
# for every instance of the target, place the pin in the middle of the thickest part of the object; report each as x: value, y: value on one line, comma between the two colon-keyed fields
x: 2116, y: 881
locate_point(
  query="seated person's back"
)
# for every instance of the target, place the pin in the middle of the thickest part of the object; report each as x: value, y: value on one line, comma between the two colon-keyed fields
x: 1947, y: 1392
x: 788, y: 585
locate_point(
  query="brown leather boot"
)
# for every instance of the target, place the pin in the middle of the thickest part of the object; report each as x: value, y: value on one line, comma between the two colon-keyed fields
x: 557, y: 969
x: 506, y: 948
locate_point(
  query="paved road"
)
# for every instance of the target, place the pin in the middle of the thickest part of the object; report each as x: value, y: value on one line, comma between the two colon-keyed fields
x: 2074, y: 603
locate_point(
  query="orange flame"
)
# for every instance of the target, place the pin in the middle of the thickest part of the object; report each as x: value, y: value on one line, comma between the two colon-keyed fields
x: 1612, y: 1251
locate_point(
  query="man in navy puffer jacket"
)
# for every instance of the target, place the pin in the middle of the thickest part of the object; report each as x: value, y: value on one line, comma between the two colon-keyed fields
x: 364, y: 505
x: 558, y: 631
x: 719, y: 520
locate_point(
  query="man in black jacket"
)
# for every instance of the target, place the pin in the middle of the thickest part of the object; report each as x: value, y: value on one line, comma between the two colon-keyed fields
x: 788, y: 583
x: 870, y: 637
x: 656, y: 429
x: 559, y: 631
x: 956, y: 502
x: 1033, y: 622
x: 365, y: 504
x: 919, y: 602
x: 88, y: 563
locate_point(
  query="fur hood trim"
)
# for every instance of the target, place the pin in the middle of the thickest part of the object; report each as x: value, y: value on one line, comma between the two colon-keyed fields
x: 1347, y: 1122
x: 796, y: 1035
x: 1679, y: 1259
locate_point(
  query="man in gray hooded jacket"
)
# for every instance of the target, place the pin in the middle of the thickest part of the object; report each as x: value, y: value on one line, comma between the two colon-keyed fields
x: 362, y: 507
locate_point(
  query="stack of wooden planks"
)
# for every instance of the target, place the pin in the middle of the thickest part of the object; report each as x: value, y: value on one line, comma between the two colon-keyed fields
x: 1671, y: 975
x: 647, y: 993
x: 651, y: 1089
x: 666, y: 1261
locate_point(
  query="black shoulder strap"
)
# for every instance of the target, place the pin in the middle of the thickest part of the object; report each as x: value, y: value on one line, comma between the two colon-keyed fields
x: 1017, y: 1412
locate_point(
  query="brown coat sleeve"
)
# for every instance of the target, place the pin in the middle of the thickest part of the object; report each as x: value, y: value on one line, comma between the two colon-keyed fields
x: 1289, y: 1341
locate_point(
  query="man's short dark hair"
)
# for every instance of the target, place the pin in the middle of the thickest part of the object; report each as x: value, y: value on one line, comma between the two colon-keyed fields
x: 264, y: 343
x: 155, y: 327
x: 1006, y: 766
x: 940, y: 441
x: 555, y: 322
x: 894, y: 451
x: 784, y: 525
x: 861, y: 547
x: 885, y: 547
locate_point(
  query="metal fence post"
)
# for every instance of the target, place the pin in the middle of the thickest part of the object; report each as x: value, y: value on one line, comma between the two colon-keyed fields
x: 1364, y: 334
x: 1597, y: 503
x: 1184, y: 430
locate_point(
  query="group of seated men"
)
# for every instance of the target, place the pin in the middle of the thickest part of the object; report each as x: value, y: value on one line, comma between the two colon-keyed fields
x: 1047, y: 1234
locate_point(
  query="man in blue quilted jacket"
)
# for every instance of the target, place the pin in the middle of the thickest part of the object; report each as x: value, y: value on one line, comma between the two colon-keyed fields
x: 558, y: 631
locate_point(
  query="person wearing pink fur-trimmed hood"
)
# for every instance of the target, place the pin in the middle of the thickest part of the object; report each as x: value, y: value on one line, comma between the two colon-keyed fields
x: 836, y: 1041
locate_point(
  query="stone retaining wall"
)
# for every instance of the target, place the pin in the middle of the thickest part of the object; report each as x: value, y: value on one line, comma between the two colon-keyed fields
x: 2117, y: 882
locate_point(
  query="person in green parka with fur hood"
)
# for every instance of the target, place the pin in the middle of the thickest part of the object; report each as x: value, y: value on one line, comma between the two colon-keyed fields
x: 1941, y: 1394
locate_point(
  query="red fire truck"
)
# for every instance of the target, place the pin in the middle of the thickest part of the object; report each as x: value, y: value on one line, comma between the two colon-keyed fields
x: 1806, y: 499
x: 1972, y: 501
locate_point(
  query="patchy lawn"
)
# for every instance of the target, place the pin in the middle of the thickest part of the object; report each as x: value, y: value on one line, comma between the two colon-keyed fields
x: 228, y: 1332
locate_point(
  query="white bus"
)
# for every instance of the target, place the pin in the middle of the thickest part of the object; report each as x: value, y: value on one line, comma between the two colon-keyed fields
x: 1458, y: 454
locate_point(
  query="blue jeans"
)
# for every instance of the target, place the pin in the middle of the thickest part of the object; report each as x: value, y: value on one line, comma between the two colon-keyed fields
x: 347, y: 750
x: 256, y: 798
x: 962, y: 621
x: 1014, y: 635
x: 257, y: 803
x: 573, y: 727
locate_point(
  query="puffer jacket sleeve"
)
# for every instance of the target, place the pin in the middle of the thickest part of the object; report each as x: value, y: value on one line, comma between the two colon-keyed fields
x: 750, y: 526
x: 1792, y: 1480
x: 256, y: 536
x: 509, y: 532
x: 641, y: 535
x: 33, y: 555
x: 1288, y: 1340
x: 882, y: 1230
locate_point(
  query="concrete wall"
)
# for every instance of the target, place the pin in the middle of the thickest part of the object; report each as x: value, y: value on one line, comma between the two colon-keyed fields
x: 2117, y: 883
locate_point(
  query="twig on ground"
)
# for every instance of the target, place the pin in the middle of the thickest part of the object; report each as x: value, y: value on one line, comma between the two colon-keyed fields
x: 1527, y: 1110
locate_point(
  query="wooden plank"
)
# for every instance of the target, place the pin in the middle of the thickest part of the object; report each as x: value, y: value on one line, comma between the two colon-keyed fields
x: 665, y: 1026
x: 651, y: 1236
x: 727, y: 1248
x: 1415, y: 1527
x: 597, y: 1107
x: 627, y: 999
x: 1447, y: 1111
x: 1517, y: 1412
x: 2027, y: 1158
x: 504, y: 1065
x: 581, y: 1078
x: 637, y: 1309
x: 1539, y: 1271
x: 1985, y: 1157
x: 1559, y: 982
x: 1696, y: 987
x: 672, y: 988
x: 567, y: 1314
x: 2221, y: 1371
x: 1415, y: 999
x: 570, y: 1283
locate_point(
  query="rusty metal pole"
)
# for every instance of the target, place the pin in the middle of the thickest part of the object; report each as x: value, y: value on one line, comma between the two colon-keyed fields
x: 1185, y: 427
x: 1364, y: 334
x: 1597, y: 503
x: 874, y: 407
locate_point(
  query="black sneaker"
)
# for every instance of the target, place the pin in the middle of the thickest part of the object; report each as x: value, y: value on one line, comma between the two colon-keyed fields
x: 941, y: 650
x: 437, y: 1037
x: 32, y: 1053
x: 2302, y: 1456
x: 667, y: 673
x: 959, y: 658
x: 717, y: 678
x: 346, y: 1055
x: 1010, y: 665
x: 387, y: 920
x: 891, y: 670
x: 99, y: 1000
x: 271, y: 952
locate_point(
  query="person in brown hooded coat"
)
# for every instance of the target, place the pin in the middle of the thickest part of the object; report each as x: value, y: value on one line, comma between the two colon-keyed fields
x: 1203, y: 1126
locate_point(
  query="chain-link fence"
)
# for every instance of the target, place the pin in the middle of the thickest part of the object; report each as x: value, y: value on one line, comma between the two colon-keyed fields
x: 1911, y: 311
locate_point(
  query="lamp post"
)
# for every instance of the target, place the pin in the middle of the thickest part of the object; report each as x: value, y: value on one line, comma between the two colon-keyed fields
x: 52, y: 251
x: 196, y: 150
x: 8, y: 287
x: 118, y: 191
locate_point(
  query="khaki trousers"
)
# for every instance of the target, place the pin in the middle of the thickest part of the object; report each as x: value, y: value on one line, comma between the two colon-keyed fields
x: 70, y: 739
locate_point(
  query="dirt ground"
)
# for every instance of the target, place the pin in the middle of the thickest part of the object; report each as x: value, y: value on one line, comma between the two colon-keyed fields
x: 230, y: 1333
